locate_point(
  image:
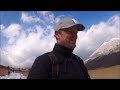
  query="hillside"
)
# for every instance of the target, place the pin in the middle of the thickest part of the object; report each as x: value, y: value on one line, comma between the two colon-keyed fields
x: 105, y: 73
x: 106, y: 55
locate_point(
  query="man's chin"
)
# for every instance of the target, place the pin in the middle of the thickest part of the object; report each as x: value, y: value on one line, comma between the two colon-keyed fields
x: 73, y: 46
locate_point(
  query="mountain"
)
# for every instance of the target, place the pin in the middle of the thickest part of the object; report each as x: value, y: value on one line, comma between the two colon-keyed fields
x: 108, y: 54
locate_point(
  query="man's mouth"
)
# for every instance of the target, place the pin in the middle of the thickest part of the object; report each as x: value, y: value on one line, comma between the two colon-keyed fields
x: 73, y: 42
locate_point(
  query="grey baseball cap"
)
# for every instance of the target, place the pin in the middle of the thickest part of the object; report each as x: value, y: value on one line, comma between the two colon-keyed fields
x: 67, y: 23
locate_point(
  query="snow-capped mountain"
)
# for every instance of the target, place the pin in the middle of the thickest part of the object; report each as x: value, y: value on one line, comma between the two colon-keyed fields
x: 107, y: 54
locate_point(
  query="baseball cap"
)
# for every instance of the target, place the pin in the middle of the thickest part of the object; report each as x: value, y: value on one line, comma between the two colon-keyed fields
x: 67, y: 23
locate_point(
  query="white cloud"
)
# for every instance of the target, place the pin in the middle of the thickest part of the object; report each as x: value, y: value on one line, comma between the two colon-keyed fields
x: 28, y: 19
x: 44, y: 12
x: 88, y: 41
x: 12, y: 31
x: 28, y: 46
x: 26, y: 49
x: 46, y: 16
x: 2, y: 27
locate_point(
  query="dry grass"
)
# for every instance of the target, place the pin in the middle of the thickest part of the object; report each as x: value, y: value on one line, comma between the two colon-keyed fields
x: 101, y: 73
x: 3, y: 71
x: 105, y: 73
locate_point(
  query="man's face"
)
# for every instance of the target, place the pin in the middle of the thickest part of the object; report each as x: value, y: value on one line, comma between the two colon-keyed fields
x: 68, y: 37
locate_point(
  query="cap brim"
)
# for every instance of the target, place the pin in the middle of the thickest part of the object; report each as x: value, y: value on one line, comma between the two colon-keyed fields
x: 80, y: 27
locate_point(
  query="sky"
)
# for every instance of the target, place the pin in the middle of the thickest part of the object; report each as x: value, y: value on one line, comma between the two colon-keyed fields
x: 25, y: 35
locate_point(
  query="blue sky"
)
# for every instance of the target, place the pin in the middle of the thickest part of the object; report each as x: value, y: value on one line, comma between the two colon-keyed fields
x: 86, y: 17
x: 30, y: 32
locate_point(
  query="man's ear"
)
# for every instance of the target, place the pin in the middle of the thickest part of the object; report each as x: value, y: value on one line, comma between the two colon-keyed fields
x: 56, y: 33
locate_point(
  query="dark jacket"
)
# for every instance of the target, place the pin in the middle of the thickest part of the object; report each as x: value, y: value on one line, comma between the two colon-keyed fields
x: 70, y: 66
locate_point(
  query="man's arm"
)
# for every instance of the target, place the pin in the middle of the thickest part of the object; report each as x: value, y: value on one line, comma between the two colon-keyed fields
x: 40, y: 68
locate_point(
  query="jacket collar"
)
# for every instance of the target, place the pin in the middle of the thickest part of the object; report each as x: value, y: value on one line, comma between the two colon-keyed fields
x: 63, y: 50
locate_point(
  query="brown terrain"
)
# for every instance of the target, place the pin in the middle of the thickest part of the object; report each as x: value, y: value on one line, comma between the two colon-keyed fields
x: 112, y: 72
x: 105, y: 67
x: 4, y: 71
x: 99, y: 73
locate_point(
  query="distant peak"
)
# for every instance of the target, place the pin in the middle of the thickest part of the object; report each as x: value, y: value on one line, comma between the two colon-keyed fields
x: 107, y: 47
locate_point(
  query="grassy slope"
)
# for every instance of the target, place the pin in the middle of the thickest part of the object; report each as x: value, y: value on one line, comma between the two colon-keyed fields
x: 106, y: 73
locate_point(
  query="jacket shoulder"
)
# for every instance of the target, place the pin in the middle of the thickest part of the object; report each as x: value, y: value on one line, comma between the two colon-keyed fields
x: 43, y: 58
x: 79, y: 59
x: 40, y: 68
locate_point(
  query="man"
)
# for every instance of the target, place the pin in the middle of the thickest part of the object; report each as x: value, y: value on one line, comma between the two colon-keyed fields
x: 61, y: 63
